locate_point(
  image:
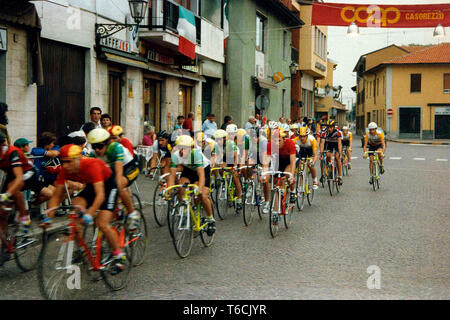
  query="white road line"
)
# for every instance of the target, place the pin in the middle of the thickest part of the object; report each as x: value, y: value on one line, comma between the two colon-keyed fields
x: 441, y: 159
x: 419, y: 159
x: 354, y: 158
x: 395, y: 158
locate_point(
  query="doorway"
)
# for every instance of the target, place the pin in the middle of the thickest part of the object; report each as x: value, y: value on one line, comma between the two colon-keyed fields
x: 442, y: 127
x: 409, y: 122
x: 206, y: 98
x: 115, y: 95
x: 152, y: 103
x: 184, y: 100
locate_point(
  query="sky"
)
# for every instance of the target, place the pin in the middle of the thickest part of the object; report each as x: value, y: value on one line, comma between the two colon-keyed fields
x: 346, y: 51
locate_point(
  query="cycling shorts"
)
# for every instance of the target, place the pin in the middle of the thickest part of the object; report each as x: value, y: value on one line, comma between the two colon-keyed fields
x: 111, y: 194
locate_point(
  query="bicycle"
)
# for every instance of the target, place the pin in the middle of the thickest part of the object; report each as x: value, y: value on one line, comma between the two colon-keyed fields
x: 323, y: 164
x: 155, y: 171
x: 279, y: 201
x: 65, y: 250
x: 331, y: 175
x: 302, y: 186
x: 375, y: 177
x: 225, y: 193
x: 344, y: 161
x: 159, y: 203
x: 251, y: 196
x: 188, y: 219
x: 24, y: 248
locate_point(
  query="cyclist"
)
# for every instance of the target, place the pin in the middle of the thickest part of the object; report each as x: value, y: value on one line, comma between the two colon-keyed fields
x: 308, y: 149
x: 195, y: 169
x: 331, y: 141
x: 282, y: 151
x: 227, y: 154
x: 375, y: 140
x: 162, y: 148
x: 347, y: 141
x: 100, y: 194
x: 123, y: 166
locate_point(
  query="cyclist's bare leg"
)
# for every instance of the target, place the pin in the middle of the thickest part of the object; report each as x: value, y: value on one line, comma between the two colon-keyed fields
x: 19, y: 200
x: 206, y: 202
x: 291, y: 185
x: 313, y: 170
x: 370, y: 164
x: 237, y: 185
x: 46, y: 194
x: 125, y: 195
x: 80, y: 202
x: 104, y: 218
x: 339, y: 163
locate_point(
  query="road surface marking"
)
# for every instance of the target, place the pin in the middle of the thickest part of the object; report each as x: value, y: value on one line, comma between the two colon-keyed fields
x: 354, y: 158
x: 419, y: 159
x: 441, y: 159
x: 395, y: 158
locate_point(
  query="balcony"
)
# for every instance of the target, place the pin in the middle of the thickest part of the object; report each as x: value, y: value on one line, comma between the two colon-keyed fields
x: 162, y: 25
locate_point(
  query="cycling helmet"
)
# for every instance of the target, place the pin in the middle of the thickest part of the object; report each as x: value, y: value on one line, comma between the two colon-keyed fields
x: 279, y: 133
x: 220, y: 134
x: 240, y: 133
x: 344, y: 128
x: 184, y: 141
x: 232, y: 128
x: 284, y: 126
x: 98, y: 135
x: 303, y: 131
x: 163, y: 134
x: 331, y: 122
x: 373, y: 125
x: 115, y: 130
x: 70, y: 151
x: 210, y: 142
x: 200, y: 136
x: 273, y: 125
x: 293, y: 126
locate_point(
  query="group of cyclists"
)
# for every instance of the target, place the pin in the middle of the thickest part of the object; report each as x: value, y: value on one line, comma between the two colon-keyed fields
x: 98, y: 165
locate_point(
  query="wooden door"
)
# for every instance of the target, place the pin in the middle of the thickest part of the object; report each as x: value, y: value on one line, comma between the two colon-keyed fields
x: 61, y: 107
x: 115, y: 96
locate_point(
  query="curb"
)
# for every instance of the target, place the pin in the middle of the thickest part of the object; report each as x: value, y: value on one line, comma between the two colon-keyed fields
x: 419, y: 142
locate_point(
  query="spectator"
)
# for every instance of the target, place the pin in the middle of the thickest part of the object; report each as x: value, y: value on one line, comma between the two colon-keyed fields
x: 95, y: 114
x: 4, y: 121
x: 281, y: 120
x: 188, y: 125
x: 209, y: 127
x: 106, y: 121
x: 180, y: 122
x: 149, y: 136
x: 226, y: 121
x: 258, y: 120
x: 251, y: 123
x: 288, y: 121
x: 23, y: 144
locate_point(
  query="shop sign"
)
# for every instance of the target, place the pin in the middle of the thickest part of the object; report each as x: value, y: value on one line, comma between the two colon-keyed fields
x: 442, y: 111
x: 3, y: 39
x: 158, y: 57
x: 190, y: 68
x: 117, y: 44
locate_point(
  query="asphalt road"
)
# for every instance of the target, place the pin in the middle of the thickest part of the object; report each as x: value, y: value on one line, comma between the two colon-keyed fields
x: 403, y: 228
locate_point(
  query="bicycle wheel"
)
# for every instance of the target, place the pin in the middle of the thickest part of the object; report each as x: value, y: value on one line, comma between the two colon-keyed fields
x: 27, y: 247
x: 207, y: 239
x: 248, y: 203
x: 159, y: 205
x: 114, y: 278
x: 300, y: 191
x: 336, y: 184
x: 274, y: 215
x: 289, y: 212
x: 330, y: 180
x: 183, y: 231
x: 139, y: 237
x: 222, y: 199
x: 154, y: 172
x: 310, y: 193
x: 61, y: 271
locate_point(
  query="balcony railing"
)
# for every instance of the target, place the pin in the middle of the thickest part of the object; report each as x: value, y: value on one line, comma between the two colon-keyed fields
x: 164, y: 14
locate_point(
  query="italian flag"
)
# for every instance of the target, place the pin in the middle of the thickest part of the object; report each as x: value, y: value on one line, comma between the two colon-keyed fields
x: 188, y: 34
x: 226, y: 28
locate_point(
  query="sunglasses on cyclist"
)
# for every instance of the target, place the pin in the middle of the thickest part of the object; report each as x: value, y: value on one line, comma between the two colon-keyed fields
x: 97, y: 146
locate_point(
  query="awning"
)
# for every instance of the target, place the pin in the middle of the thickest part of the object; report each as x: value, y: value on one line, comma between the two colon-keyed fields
x: 266, y: 84
x: 126, y: 61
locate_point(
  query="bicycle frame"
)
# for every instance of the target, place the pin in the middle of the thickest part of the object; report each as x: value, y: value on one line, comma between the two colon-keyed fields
x: 281, y: 190
x: 304, y: 171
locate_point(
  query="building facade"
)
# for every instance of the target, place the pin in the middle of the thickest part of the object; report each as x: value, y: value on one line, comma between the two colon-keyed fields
x: 258, y: 46
x: 406, y: 91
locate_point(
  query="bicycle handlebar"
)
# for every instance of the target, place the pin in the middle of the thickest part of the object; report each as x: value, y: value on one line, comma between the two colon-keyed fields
x: 272, y: 173
x: 186, y: 185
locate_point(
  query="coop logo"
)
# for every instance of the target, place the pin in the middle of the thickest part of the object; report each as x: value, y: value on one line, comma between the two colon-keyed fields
x: 373, y: 16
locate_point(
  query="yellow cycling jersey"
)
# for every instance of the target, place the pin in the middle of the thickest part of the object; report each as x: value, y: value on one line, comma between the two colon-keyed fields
x: 311, y: 143
x: 348, y: 137
x: 376, y: 139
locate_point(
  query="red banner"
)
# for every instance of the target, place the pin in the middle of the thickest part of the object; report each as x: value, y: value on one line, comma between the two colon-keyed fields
x: 381, y: 16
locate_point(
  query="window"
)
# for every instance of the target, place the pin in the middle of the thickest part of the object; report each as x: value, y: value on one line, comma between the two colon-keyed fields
x: 378, y: 87
x: 285, y: 44
x: 320, y: 45
x: 374, y: 87
x: 446, y: 82
x: 324, y: 54
x: 384, y: 86
x: 260, y: 26
x: 212, y: 11
x: 416, y: 80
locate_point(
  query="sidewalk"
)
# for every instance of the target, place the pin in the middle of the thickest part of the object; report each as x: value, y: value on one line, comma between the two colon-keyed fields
x: 417, y: 141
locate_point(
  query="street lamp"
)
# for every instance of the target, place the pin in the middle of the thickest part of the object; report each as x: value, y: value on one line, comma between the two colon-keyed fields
x: 137, y: 10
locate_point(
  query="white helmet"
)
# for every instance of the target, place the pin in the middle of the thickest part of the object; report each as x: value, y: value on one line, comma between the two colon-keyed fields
x: 372, y: 125
x: 98, y: 135
x: 344, y: 128
x: 294, y: 126
x: 273, y: 125
x: 232, y: 128
x: 285, y: 126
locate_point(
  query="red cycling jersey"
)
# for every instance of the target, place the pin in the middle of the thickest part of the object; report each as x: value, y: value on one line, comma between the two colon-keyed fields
x: 287, y: 149
x: 127, y: 144
x: 91, y: 171
x: 14, y: 157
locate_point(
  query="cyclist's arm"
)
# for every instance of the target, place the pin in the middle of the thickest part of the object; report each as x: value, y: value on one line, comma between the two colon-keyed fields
x: 340, y: 145
x: 57, y: 197
x: 99, y: 189
x: 201, y: 177
x: 293, y: 160
x: 383, y: 143
x: 365, y: 143
x: 17, y: 183
x: 52, y: 153
x: 118, y: 169
x: 322, y: 145
x: 173, y: 174
x: 351, y: 141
